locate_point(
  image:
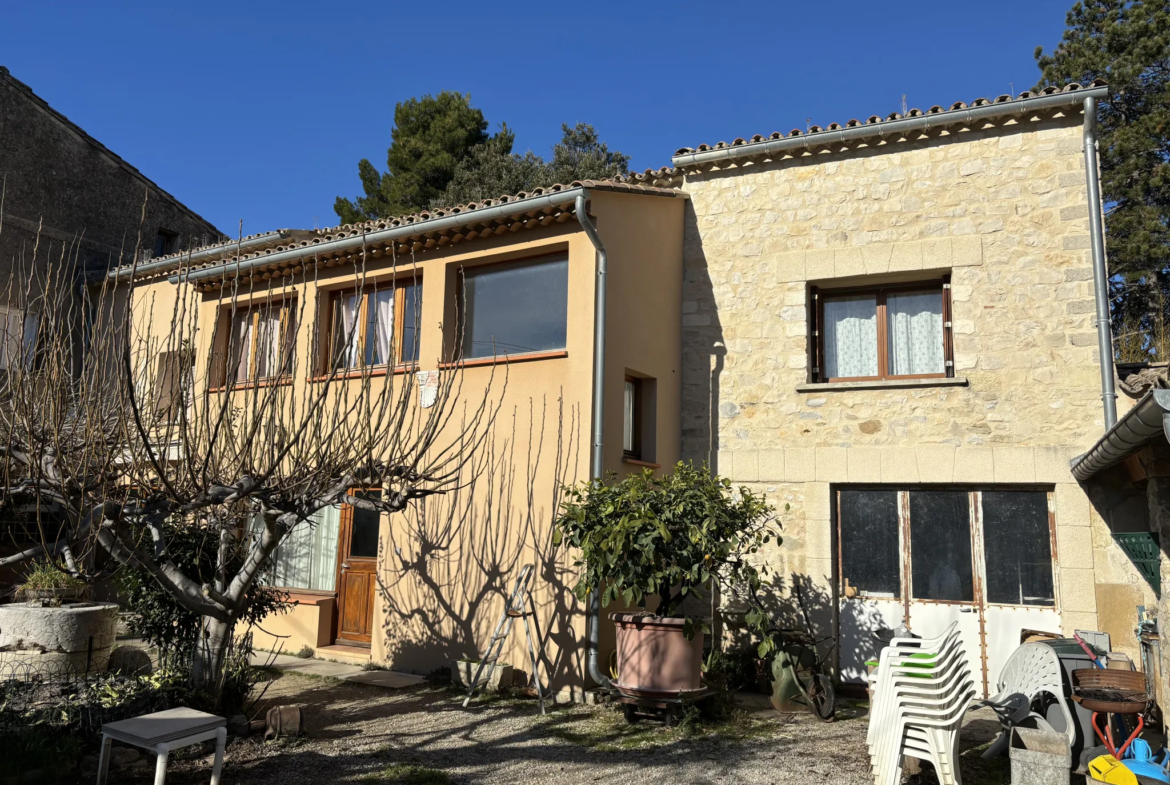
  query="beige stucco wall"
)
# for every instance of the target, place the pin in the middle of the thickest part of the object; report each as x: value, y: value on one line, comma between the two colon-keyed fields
x: 1004, y: 211
x: 445, y: 566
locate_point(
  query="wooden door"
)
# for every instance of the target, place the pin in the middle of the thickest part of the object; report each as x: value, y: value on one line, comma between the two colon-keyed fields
x: 356, y: 573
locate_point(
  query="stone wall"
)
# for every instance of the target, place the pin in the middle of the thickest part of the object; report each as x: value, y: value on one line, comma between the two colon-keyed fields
x: 1002, y: 209
x: 64, y: 182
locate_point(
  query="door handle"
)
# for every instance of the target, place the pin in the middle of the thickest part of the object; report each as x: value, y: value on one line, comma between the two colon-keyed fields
x: 961, y: 610
x: 344, y: 567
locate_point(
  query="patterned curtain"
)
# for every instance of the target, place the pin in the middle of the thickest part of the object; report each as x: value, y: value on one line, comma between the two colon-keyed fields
x: 851, y: 337
x: 915, y: 333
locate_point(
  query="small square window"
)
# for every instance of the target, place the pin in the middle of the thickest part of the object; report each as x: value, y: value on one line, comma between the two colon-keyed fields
x: 632, y: 418
x: 165, y: 242
x: 260, y: 342
x: 896, y: 332
x: 377, y: 327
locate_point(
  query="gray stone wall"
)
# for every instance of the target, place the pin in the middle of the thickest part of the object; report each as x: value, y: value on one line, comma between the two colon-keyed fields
x: 58, y: 178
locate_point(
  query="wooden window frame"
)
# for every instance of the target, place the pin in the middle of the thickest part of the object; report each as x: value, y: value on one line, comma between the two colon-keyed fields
x: 880, y: 292
x: 254, y: 309
x: 325, y: 362
x: 636, y: 425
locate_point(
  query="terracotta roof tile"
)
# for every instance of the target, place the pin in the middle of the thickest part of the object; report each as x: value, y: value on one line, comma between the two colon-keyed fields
x: 874, y: 119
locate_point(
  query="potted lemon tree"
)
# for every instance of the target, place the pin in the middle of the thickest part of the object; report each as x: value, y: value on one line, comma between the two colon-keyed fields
x: 656, y: 542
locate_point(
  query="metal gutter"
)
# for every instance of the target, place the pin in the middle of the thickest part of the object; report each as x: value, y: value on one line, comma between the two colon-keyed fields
x: 890, y: 127
x: 1100, y: 275
x: 357, y: 241
x: 1149, y: 419
x: 597, y: 453
x: 202, y: 254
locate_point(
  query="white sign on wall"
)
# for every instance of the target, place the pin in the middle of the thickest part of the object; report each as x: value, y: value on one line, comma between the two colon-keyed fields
x: 428, y: 388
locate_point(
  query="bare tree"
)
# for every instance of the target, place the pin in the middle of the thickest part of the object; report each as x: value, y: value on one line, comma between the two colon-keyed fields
x: 130, y: 410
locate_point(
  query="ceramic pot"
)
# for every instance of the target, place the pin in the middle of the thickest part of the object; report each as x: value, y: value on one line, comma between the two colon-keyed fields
x: 654, y: 657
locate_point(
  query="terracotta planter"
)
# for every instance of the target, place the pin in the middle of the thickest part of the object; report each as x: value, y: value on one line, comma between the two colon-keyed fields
x: 655, y: 659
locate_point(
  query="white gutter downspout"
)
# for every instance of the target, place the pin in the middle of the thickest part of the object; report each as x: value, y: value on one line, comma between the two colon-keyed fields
x: 1100, y: 276
x: 596, y: 461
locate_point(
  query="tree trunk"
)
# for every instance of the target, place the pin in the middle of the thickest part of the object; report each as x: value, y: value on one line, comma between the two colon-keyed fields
x: 208, y: 660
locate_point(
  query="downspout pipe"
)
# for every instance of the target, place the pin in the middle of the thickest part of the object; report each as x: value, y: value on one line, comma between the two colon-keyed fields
x: 597, y: 452
x: 1100, y: 276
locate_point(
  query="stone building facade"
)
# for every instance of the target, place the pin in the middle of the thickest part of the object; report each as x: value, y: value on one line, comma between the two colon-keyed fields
x: 998, y: 210
x: 78, y: 193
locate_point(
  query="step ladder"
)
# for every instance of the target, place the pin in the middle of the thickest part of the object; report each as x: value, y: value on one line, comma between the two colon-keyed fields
x: 519, y: 606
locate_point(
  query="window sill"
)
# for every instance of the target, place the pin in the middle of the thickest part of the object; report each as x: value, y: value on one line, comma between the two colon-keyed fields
x: 358, y: 373
x: 882, y: 384
x: 504, y: 359
x: 637, y: 462
x: 278, y: 382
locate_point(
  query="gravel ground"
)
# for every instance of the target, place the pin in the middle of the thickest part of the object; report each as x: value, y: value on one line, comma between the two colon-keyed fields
x: 356, y: 731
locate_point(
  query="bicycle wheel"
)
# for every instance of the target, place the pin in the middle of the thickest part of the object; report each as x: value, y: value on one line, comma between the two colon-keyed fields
x: 822, y: 698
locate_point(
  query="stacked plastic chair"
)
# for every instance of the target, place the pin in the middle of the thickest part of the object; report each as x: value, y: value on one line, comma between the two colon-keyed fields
x: 1033, y: 669
x: 921, y: 690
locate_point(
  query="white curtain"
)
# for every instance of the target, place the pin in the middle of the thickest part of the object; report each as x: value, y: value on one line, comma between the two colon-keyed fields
x: 307, y: 557
x: 628, y: 417
x: 346, y: 345
x: 382, y: 328
x: 269, y: 344
x: 915, y: 333
x: 242, y: 344
x: 851, y: 337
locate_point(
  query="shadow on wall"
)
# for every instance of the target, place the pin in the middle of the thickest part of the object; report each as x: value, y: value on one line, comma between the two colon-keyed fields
x: 799, y: 603
x: 451, y: 563
x: 703, y: 352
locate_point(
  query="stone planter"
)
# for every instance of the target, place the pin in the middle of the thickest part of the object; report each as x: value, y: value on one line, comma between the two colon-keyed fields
x: 654, y: 657
x: 462, y: 672
x: 64, y: 595
x: 74, y: 636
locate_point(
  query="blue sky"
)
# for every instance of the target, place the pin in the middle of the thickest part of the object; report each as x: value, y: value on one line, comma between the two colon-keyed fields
x: 260, y: 111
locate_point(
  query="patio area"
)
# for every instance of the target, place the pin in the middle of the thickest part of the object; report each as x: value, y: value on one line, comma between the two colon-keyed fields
x: 365, y: 733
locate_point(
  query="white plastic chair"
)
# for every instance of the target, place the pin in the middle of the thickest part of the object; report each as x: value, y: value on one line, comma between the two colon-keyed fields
x: 918, y: 706
x: 1032, y: 670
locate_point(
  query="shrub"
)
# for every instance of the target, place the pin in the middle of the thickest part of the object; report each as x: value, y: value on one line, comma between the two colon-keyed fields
x: 44, y: 574
x: 668, y: 536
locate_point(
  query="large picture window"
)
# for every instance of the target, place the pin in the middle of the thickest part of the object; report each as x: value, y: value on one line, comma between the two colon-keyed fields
x: 515, y: 308
x: 378, y: 326
x: 900, y: 332
x: 261, y: 342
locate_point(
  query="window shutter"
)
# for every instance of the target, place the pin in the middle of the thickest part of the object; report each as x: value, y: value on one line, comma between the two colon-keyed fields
x: 948, y: 340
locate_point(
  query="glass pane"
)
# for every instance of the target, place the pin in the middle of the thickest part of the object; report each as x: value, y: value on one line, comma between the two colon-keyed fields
x: 307, y: 557
x: 915, y: 332
x: 380, y: 326
x: 363, y: 540
x: 1017, y: 548
x: 411, y: 309
x: 851, y: 337
x: 940, y: 546
x: 515, y: 308
x: 241, y: 350
x: 630, y: 398
x: 869, y: 542
x: 269, y: 343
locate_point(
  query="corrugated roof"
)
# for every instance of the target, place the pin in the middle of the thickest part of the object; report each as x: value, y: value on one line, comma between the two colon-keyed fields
x: 875, y: 121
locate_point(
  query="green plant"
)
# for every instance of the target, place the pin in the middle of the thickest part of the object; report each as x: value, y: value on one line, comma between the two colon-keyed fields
x: 667, y: 536
x: 158, y: 618
x: 44, y: 574
x: 408, y: 774
x: 305, y: 653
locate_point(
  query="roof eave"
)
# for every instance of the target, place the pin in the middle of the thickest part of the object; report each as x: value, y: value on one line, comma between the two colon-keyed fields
x: 891, y: 128
x: 1149, y: 418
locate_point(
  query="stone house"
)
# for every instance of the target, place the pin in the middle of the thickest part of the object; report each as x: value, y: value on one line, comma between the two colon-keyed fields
x: 79, y: 192
x: 887, y: 327
x: 84, y: 203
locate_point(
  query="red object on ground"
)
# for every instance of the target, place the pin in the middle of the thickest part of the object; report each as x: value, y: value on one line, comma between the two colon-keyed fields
x: 1107, y: 736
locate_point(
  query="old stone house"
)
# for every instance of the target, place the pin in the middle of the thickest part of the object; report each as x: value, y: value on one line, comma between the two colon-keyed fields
x: 66, y: 195
x: 79, y: 192
x: 887, y: 327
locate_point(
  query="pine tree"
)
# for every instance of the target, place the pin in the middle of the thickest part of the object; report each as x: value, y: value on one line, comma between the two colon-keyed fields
x: 1127, y: 43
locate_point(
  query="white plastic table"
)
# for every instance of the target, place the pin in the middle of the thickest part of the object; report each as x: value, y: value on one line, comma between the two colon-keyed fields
x: 162, y: 732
